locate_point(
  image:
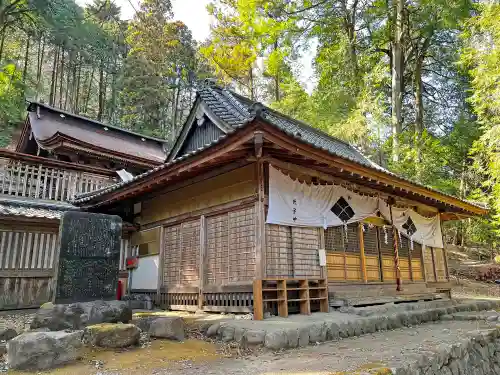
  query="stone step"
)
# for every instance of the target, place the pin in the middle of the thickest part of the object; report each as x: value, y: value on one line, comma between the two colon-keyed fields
x: 300, y: 330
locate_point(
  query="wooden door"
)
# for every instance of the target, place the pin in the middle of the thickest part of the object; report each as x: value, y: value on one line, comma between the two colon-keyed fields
x: 372, y: 253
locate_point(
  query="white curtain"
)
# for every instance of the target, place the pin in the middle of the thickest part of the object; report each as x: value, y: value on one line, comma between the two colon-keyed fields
x: 425, y: 230
x: 299, y: 204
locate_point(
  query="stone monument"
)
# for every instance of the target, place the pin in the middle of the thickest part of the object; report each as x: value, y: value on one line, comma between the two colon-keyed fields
x: 89, y: 257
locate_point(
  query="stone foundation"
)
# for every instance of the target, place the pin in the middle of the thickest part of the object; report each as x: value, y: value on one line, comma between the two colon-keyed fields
x: 300, y: 330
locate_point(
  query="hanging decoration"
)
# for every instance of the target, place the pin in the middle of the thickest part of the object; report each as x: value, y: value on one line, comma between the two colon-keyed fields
x: 299, y: 204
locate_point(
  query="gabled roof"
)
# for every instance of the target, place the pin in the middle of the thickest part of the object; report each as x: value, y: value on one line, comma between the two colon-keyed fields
x: 237, y: 113
x: 53, y: 128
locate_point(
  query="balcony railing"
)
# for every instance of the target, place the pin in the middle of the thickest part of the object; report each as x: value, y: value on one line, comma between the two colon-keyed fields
x: 39, y: 178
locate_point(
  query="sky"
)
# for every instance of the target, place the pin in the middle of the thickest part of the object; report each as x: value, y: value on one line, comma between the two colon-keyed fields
x: 194, y: 14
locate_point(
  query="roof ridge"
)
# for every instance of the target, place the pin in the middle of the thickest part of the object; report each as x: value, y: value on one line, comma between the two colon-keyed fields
x: 100, y: 123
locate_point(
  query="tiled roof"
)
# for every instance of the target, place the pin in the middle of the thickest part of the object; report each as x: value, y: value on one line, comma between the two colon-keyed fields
x: 238, y: 111
x: 33, y: 208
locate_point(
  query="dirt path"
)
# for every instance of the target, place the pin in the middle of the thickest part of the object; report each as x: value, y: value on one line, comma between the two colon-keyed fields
x: 383, y: 349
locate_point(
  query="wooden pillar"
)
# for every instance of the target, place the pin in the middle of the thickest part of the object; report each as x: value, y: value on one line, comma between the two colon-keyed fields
x: 324, y: 270
x: 434, y: 265
x: 260, y: 224
x: 161, y: 264
x: 362, y: 252
x: 203, y: 260
x: 396, y: 258
x: 410, y: 259
x: 422, y: 259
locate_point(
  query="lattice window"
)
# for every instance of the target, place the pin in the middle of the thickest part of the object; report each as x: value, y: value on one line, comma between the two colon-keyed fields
x: 352, y: 243
x: 172, y: 255
x: 386, y: 248
x: 334, y: 240
x: 279, y: 256
x: 231, y: 246
x: 305, y: 252
x: 242, y: 244
x: 190, y: 252
x: 404, y: 247
x: 371, y: 240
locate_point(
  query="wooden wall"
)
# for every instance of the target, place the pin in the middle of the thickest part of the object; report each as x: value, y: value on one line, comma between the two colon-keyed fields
x: 231, y: 186
x: 28, y: 259
x: 292, y: 252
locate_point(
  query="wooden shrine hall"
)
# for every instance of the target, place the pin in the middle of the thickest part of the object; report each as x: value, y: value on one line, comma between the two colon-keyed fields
x: 255, y: 210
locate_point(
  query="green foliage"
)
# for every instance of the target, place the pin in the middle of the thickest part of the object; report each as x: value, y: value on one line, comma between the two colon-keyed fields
x: 11, y: 102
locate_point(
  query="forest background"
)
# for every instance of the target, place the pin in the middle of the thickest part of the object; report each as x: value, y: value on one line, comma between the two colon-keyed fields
x: 413, y: 84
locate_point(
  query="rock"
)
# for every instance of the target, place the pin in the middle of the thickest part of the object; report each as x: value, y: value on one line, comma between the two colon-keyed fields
x: 47, y: 305
x: 79, y: 315
x: 275, y: 340
x: 213, y: 329
x: 166, y: 327
x: 3, y: 348
x: 227, y: 333
x: 446, y: 317
x: 492, y: 318
x: 7, y: 334
x: 109, y: 335
x: 43, y: 350
x: 254, y: 337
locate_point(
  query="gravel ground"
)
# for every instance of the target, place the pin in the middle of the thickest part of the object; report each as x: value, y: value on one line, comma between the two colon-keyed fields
x: 383, y: 349
x: 18, y: 319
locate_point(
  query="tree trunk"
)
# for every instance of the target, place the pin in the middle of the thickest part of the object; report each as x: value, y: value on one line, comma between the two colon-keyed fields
x: 276, y: 79
x: 41, y: 53
x: 2, y: 42
x: 53, y: 82
x: 26, y: 57
x: 102, y: 86
x: 252, y: 89
x: 397, y: 76
x: 61, y: 77
x: 419, y: 103
x: 68, y: 80
x: 89, y: 89
x: 77, y: 90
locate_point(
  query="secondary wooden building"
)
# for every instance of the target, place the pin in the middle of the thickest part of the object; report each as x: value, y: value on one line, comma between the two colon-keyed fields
x: 249, y: 194
x: 58, y: 155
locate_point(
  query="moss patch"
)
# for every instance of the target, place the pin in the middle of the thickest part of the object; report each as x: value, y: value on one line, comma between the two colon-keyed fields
x: 105, y: 327
x: 137, y: 361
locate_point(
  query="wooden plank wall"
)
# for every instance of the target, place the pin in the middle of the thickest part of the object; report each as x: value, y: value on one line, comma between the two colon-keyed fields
x: 229, y: 253
x: 228, y: 187
x: 27, y: 260
x: 292, y: 252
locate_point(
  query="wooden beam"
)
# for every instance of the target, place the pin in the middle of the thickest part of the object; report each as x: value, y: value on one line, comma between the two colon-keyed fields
x: 27, y: 273
x: 219, y: 209
x: 258, y: 143
x: 362, y: 252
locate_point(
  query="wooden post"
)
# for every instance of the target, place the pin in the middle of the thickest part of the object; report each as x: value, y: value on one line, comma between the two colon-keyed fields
x: 362, y: 252
x: 161, y: 264
x: 324, y: 269
x: 258, y: 305
x: 202, y: 268
x: 434, y: 265
x: 396, y: 248
x: 260, y: 225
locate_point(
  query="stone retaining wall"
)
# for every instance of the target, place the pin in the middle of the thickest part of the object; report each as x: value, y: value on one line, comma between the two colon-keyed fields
x: 478, y: 354
x: 288, y: 333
